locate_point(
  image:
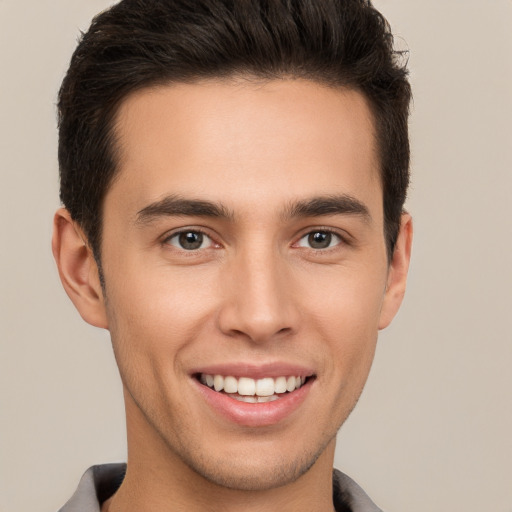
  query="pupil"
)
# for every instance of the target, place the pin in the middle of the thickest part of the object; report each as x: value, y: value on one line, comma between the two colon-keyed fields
x: 320, y: 240
x: 191, y: 240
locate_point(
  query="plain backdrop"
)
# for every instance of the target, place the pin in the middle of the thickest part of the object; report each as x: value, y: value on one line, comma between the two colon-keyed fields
x: 433, y: 430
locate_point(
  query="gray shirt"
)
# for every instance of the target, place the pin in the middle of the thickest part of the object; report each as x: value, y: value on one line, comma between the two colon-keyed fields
x: 100, y: 482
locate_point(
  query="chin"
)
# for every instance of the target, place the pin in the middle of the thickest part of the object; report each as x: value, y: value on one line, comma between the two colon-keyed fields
x: 247, y: 475
x: 255, y: 469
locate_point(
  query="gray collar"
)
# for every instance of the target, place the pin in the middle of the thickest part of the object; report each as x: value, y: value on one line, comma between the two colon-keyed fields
x: 101, y: 482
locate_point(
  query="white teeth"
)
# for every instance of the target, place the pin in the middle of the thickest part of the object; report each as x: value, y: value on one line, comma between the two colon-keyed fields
x: 218, y: 382
x: 248, y: 399
x: 246, y: 386
x: 262, y: 399
x: 254, y: 399
x: 230, y: 385
x: 280, y: 385
x: 262, y: 390
x: 265, y: 387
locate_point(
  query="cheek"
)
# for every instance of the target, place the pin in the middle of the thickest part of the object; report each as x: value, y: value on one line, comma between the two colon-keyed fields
x: 154, y: 315
x: 345, y: 311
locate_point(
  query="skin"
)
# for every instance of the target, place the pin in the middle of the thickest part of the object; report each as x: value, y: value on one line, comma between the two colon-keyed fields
x: 254, y: 293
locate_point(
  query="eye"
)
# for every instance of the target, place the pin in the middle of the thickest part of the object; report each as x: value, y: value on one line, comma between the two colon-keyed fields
x: 190, y: 240
x: 320, y: 239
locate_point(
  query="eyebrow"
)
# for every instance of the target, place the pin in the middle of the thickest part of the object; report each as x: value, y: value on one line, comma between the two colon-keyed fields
x: 178, y: 206
x: 328, y: 205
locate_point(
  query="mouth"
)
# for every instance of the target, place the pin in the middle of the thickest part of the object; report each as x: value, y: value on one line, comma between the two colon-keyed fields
x: 254, y: 391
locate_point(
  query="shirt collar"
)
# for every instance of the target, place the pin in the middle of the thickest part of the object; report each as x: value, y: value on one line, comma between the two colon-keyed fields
x: 100, y: 482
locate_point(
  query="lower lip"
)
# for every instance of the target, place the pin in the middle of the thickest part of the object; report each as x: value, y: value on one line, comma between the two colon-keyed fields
x: 255, y: 414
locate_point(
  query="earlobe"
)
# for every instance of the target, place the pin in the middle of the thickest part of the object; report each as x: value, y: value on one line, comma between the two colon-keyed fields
x: 397, y: 274
x: 78, y: 269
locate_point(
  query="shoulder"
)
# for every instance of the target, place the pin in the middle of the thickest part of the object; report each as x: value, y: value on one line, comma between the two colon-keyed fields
x: 96, y: 485
x: 348, y: 496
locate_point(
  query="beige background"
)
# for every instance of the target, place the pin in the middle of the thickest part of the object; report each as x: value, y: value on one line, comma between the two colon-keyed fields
x: 434, y: 428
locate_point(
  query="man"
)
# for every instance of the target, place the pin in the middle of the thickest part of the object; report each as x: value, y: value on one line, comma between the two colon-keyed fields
x: 233, y: 175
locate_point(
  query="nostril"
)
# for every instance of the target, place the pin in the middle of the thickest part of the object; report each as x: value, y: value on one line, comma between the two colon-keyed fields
x: 284, y: 330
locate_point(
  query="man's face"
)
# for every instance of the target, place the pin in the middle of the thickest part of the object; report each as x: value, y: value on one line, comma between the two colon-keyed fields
x: 244, y: 238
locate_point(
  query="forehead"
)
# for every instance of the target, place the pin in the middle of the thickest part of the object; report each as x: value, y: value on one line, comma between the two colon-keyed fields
x: 245, y: 141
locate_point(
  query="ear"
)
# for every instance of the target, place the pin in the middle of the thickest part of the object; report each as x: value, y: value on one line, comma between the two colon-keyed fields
x: 78, y: 269
x: 397, y: 273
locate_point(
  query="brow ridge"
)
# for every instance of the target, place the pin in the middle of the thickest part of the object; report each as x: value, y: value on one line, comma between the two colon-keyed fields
x: 343, y: 204
x: 178, y: 206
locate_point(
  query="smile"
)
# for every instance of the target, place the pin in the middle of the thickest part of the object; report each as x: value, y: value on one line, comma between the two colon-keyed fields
x: 245, y: 389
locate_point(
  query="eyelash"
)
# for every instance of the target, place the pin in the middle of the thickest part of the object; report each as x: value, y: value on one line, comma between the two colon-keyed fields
x: 167, y: 239
x: 342, y: 240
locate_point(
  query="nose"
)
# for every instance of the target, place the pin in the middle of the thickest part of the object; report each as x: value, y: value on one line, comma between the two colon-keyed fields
x: 258, y: 296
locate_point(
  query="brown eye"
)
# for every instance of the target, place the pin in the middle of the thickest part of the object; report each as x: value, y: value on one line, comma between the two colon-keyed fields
x: 319, y: 240
x: 190, y: 240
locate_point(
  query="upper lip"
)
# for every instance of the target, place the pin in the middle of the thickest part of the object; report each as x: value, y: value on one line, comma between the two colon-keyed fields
x: 255, y: 371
